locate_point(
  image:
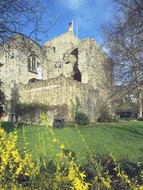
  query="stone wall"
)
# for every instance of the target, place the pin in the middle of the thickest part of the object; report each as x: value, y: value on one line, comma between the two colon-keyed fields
x: 72, y: 69
x: 59, y: 94
x: 95, y: 67
x: 57, y: 50
x: 14, y: 57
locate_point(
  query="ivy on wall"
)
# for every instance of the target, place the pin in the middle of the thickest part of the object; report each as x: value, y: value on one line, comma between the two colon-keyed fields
x: 31, y: 111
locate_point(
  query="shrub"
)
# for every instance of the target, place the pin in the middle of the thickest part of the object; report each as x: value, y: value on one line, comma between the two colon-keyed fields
x: 31, y: 112
x: 105, y: 116
x: 108, y: 173
x: 115, y: 120
x: 140, y: 119
x: 14, y: 167
x: 81, y: 118
x: 64, y: 172
x: 127, y: 119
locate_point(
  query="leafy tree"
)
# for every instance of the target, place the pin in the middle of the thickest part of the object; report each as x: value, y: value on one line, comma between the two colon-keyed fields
x: 125, y: 41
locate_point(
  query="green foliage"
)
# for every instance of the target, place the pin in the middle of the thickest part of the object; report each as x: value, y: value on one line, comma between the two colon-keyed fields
x: 115, y: 120
x: 31, y: 111
x: 105, y: 116
x: 74, y: 107
x: 127, y: 119
x: 112, y: 173
x: 30, y: 108
x: 140, y: 119
x: 81, y: 118
x: 133, y: 170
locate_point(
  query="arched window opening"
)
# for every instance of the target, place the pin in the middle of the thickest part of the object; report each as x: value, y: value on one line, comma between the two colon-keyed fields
x: 34, y: 63
x: 33, y: 60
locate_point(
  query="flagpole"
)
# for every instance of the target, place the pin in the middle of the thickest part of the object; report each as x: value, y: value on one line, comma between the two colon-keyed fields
x: 72, y: 25
x: 77, y: 30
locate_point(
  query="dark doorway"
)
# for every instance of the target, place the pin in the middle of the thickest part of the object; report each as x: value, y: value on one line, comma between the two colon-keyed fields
x: 77, y: 74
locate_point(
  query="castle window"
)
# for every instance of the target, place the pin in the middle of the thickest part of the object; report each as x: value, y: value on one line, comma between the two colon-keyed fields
x: 54, y: 49
x: 58, y: 64
x: 32, y: 63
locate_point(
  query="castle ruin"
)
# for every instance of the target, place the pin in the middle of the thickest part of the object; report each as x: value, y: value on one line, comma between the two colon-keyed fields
x: 74, y: 72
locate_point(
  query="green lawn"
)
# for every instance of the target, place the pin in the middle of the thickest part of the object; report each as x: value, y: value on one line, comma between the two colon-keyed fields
x: 123, y: 139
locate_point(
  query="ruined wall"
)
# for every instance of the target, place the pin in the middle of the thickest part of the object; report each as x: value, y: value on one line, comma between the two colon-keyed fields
x: 95, y: 67
x: 58, y: 52
x: 90, y: 60
x: 58, y: 94
x: 66, y: 55
x: 14, y: 57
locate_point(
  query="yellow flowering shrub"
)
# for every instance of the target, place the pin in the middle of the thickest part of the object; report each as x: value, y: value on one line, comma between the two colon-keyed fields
x: 75, y: 177
x: 64, y: 172
x: 13, y: 167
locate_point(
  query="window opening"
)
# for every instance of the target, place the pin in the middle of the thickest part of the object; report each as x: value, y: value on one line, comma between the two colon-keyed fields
x: 58, y: 64
x: 32, y: 63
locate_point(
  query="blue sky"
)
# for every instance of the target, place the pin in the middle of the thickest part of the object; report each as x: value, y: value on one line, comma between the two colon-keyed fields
x: 88, y: 15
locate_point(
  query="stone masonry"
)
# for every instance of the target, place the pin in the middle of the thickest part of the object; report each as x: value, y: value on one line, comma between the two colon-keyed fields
x: 62, y: 91
x: 73, y: 69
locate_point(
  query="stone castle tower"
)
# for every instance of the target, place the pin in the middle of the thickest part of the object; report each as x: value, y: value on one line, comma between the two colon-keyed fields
x: 74, y: 71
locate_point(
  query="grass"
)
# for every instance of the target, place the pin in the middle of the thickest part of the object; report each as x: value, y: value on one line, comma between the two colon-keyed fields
x: 123, y: 139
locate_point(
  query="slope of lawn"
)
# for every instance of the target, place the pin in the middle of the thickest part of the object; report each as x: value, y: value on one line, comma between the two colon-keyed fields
x: 123, y: 139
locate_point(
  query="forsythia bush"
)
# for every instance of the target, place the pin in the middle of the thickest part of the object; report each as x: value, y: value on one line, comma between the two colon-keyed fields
x: 75, y: 178
x: 64, y: 172
x: 13, y: 167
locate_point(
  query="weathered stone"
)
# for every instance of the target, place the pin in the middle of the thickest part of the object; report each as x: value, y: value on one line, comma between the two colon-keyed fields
x: 73, y: 70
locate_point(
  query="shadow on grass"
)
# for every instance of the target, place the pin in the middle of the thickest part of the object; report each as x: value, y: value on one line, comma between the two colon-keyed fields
x: 131, y: 130
x: 9, y: 127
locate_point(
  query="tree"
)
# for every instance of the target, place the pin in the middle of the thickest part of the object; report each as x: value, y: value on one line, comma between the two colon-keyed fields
x: 25, y: 17
x: 125, y: 40
x: 2, y: 99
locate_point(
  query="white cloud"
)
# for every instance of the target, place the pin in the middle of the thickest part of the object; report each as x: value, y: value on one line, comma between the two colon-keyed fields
x: 88, y: 14
x: 73, y: 5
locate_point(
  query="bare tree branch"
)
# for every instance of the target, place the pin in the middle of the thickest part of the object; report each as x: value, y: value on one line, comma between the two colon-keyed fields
x: 124, y: 39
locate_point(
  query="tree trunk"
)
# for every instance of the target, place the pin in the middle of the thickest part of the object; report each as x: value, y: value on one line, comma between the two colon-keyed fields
x: 140, y: 106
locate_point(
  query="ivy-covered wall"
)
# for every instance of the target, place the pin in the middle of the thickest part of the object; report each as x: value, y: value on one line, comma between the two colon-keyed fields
x: 56, y: 95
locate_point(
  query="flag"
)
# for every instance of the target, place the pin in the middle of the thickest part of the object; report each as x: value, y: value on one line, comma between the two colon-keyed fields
x: 70, y: 27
